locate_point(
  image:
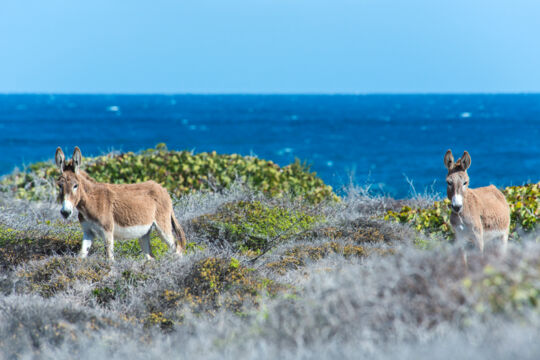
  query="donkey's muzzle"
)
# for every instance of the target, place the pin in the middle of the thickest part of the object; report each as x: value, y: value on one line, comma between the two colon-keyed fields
x: 67, y: 209
x: 65, y: 213
x: 457, y: 202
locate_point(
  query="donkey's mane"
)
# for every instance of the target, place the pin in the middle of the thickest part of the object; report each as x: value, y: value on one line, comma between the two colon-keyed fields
x: 86, y: 176
x: 68, y: 166
x: 458, y: 166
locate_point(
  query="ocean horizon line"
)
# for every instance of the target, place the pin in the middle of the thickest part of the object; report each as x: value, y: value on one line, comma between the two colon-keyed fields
x: 504, y: 93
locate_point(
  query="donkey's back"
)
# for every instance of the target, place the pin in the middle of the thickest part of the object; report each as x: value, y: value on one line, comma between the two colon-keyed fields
x: 492, y: 209
x: 151, y: 200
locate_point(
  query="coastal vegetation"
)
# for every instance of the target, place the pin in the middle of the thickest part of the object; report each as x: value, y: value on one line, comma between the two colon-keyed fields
x: 180, y: 172
x: 277, y: 265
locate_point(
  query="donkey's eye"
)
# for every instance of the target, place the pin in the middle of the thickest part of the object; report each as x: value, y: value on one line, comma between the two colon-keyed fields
x: 449, y: 182
x: 466, y: 183
x: 75, y: 186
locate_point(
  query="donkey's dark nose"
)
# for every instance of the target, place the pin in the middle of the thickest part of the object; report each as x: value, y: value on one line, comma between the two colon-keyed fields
x: 457, y: 208
x: 65, y: 213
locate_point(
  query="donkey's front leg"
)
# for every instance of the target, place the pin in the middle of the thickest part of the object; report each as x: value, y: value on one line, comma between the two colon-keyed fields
x: 478, y: 239
x: 463, y: 255
x: 88, y: 237
x: 109, y: 244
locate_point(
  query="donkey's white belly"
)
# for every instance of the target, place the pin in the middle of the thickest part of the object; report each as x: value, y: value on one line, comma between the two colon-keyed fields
x: 493, y: 234
x: 131, y: 232
x: 466, y: 233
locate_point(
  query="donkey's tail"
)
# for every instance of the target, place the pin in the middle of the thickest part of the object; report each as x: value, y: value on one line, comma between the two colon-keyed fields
x: 180, y: 235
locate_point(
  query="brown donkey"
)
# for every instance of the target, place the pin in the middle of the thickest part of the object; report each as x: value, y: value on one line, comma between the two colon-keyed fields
x: 480, y: 214
x: 112, y: 211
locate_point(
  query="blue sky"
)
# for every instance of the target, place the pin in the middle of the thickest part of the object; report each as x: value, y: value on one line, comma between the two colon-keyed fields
x: 269, y: 46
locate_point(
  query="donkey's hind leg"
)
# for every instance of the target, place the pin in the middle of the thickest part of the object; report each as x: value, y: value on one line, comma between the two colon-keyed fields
x: 504, y: 242
x: 108, y: 239
x: 165, y: 233
x: 144, y: 242
x: 463, y: 256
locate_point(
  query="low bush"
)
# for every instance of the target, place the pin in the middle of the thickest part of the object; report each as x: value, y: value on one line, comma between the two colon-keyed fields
x: 433, y: 221
x: 208, y: 285
x: 179, y: 172
x: 524, y: 204
x: 250, y: 225
x: 515, y: 291
x: 210, y: 278
x: 132, y: 249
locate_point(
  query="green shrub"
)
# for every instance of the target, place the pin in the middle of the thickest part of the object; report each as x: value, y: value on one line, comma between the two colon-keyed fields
x: 132, y: 249
x: 250, y: 225
x: 210, y: 284
x: 505, y: 292
x: 434, y: 220
x: 179, y: 172
x: 524, y: 202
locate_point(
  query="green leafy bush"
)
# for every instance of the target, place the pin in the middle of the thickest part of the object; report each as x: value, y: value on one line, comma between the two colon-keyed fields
x: 250, y: 225
x: 132, y: 249
x: 524, y: 202
x: 434, y: 220
x: 210, y: 278
x: 179, y: 172
x: 209, y: 284
x: 505, y: 292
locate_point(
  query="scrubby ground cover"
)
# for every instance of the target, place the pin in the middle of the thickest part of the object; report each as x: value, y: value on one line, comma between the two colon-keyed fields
x: 266, y: 277
x: 179, y: 172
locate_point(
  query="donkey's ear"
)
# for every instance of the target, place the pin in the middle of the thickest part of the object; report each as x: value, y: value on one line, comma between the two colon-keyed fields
x: 449, y: 159
x: 77, y: 159
x: 60, y: 159
x: 465, y: 160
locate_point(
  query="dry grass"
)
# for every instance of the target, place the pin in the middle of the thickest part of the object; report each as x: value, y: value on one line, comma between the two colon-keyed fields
x: 351, y: 284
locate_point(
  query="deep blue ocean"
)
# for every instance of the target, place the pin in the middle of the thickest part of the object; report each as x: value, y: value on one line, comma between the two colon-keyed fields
x: 377, y: 140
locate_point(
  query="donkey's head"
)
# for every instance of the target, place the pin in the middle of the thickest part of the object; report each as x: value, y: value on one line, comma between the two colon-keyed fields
x: 457, y: 179
x: 69, y: 180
